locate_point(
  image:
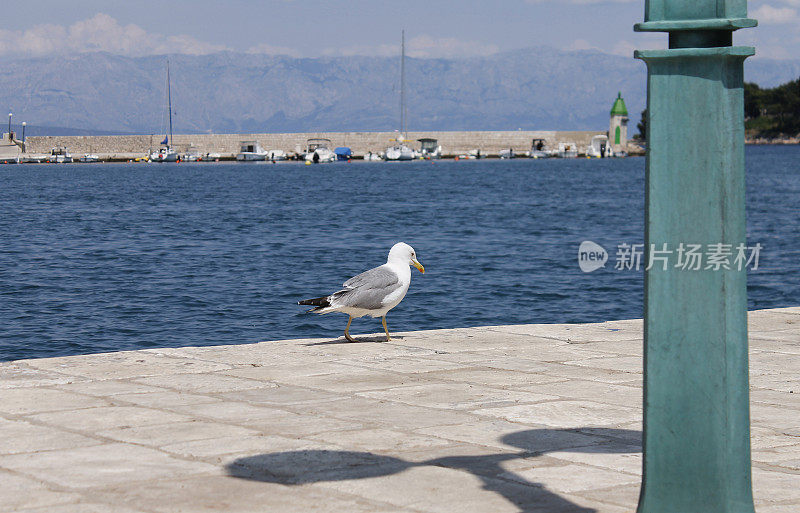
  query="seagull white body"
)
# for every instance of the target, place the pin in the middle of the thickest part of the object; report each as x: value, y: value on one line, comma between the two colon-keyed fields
x: 373, y: 292
x: 401, y: 269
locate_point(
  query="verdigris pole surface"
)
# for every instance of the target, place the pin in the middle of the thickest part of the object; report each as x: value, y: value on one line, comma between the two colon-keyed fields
x: 696, y: 397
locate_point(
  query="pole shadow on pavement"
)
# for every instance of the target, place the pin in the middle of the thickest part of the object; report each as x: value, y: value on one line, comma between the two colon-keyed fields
x: 316, y: 466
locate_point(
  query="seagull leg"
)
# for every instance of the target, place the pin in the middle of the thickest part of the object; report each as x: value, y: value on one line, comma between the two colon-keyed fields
x: 347, y: 330
x: 388, y: 338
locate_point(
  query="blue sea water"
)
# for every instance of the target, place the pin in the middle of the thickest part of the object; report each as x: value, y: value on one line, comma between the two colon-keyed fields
x: 108, y: 257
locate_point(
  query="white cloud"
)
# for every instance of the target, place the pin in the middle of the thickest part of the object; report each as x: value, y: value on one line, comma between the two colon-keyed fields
x: 99, y: 33
x: 423, y: 47
x: 768, y: 15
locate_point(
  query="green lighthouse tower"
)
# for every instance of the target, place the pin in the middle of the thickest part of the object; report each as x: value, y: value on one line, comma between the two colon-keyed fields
x: 618, y: 126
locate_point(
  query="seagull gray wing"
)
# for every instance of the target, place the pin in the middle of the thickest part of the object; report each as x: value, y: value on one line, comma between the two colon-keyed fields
x: 368, y: 289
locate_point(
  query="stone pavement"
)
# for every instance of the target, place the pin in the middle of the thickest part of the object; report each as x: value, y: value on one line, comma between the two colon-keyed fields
x: 494, y: 419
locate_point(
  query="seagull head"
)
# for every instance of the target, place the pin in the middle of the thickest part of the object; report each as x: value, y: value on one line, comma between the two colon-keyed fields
x: 405, y: 254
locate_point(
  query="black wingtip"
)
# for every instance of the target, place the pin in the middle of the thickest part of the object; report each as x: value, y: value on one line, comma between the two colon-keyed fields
x: 320, y: 302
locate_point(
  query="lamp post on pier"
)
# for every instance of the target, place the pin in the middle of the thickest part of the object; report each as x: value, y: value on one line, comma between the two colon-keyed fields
x: 24, y: 124
x: 10, y: 115
x: 696, y: 399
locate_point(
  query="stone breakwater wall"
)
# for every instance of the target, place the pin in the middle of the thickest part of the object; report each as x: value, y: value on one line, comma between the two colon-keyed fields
x: 453, y: 143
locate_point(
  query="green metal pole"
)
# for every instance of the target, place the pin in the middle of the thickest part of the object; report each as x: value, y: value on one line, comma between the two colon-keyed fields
x: 696, y: 396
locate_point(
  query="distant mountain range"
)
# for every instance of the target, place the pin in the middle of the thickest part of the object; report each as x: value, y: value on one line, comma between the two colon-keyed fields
x: 532, y: 89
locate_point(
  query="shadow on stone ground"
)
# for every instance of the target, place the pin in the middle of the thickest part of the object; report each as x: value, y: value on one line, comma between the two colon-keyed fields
x: 358, y: 340
x: 314, y: 466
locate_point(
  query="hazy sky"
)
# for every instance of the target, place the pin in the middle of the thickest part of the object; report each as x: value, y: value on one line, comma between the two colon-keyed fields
x: 442, y: 28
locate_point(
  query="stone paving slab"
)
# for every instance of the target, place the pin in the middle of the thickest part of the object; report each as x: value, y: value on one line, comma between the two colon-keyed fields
x: 493, y: 419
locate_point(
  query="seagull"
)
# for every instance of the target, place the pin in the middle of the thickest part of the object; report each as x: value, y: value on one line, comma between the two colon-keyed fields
x: 372, y: 292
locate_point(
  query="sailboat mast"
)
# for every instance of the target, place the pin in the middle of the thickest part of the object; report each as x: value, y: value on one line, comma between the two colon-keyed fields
x: 403, y: 86
x: 169, y: 100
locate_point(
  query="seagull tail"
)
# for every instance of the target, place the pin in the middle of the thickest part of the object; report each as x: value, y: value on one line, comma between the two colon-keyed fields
x: 319, y: 302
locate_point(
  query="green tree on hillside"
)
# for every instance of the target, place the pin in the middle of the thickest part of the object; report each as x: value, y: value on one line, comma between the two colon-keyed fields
x: 772, y: 112
x: 642, y: 127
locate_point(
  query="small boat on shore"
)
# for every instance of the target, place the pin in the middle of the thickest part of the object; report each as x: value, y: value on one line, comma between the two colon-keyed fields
x: 399, y: 152
x: 59, y: 155
x: 599, y: 147
x: 539, y: 150
x: 343, y: 153
x: 277, y: 155
x: 429, y: 149
x: 318, y: 151
x: 34, y: 158
x: 507, y: 154
x: 251, y: 151
x: 567, y: 150
x: 89, y: 157
x: 210, y: 157
x: 166, y: 153
x: 471, y: 155
x: 373, y: 157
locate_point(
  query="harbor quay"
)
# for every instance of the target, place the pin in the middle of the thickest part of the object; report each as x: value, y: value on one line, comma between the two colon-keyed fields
x: 544, y: 418
x: 490, y: 143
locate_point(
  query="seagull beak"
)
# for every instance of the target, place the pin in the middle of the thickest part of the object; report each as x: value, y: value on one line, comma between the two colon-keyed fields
x: 416, y: 264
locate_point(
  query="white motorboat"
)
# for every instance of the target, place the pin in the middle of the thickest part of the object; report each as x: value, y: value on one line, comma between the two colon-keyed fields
x: 89, y: 157
x: 507, y: 154
x: 318, y: 151
x: 599, y: 147
x: 10, y: 160
x: 429, y: 149
x: 539, y: 150
x: 59, y: 155
x: 373, y: 157
x: 567, y: 150
x: 251, y: 151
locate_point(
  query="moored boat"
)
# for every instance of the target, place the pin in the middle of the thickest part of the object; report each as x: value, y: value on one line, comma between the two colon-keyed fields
x: 211, y: 157
x: 166, y: 153
x: 30, y: 158
x: 251, y: 151
x: 399, y: 152
x: 429, y: 149
x: 539, y: 149
x: 343, y: 153
x: 276, y: 155
x: 599, y: 147
x: 567, y: 150
x: 318, y: 152
x: 59, y: 155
